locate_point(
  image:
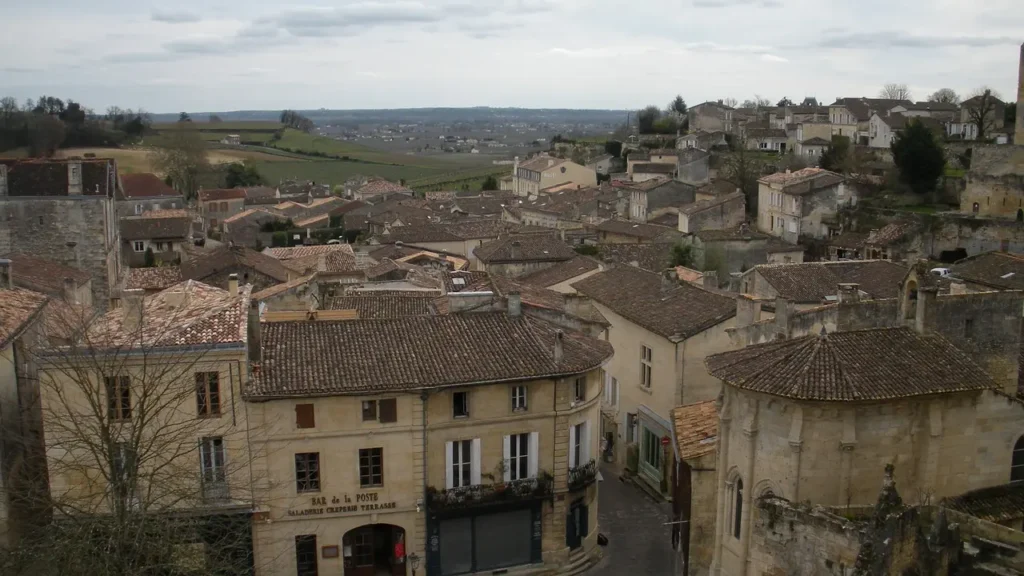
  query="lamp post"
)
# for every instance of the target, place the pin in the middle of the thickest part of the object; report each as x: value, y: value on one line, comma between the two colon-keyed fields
x: 414, y: 559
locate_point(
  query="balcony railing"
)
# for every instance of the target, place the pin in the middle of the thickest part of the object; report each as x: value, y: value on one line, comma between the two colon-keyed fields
x: 583, y: 475
x: 524, y: 490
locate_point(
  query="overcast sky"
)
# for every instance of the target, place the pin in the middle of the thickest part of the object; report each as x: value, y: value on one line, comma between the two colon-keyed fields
x: 216, y: 55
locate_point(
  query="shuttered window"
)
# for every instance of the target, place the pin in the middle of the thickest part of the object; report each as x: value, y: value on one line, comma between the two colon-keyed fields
x: 304, y: 416
x: 388, y: 410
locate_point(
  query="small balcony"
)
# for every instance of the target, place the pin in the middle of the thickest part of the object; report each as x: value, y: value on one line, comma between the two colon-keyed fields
x: 583, y: 475
x: 482, y: 495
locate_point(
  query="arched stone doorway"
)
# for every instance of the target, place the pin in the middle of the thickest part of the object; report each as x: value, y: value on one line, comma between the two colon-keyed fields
x: 374, y: 550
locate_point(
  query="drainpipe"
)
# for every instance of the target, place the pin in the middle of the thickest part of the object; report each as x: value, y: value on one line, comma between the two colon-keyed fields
x: 426, y: 516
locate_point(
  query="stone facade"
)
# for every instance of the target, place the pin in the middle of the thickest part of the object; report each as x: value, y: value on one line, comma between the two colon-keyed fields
x: 724, y: 212
x: 1019, y: 133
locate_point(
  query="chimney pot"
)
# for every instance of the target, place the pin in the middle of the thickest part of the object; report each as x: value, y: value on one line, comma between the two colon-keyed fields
x: 132, y: 309
x: 848, y: 293
x: 6, y: 274
x: 233, y: 284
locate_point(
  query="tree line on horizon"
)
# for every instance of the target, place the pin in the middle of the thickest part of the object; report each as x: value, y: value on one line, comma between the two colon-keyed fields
x: 43, y: 126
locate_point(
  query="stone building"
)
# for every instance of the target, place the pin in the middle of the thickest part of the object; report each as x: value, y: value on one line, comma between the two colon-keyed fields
x: 734, y: 250
x: 801, y: 203
x: 695, y: 437
x: 146, y: 192
x: 661, y: 331
x: 618, y: 231
x: 163, y: 233
x: 48, y: 277
x: 532, y: 176
x: 521, y: 254
x: 720, y: 212
x: 693, y: 167
x: 63, y: 211
x: 654, y: 198
x: 483, y: 464
x: 812, y: 418
x: 250, y: 267
x: 217, y: 205
x: 810, y: 284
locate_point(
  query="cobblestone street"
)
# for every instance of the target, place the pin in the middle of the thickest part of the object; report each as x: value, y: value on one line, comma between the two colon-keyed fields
x: 632, y: 521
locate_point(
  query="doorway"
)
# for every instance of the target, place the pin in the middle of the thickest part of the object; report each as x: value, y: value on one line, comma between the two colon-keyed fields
x: 374, y: 550
x: 576, y: 528
x: 1020, y: 215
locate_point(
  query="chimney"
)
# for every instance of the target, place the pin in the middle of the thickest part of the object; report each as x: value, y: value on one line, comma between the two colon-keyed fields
x: 558, y: 346
x: 233, y: 284
x: 735, y: 281
x: 132, y: 309
x: 669, y: 279
x: 6, y: 274
x: 925, y: 307
x: 463, y: 301
x: 515, y: 304
x: 783, y: 313
x: 70, y: 291
x: 848, y: 293
x: 748, y: 311
x: 74, y: 178
x: 710, y: 279
x: 255, y: 338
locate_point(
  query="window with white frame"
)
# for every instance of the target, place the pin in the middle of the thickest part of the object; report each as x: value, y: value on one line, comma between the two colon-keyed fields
x: 138, y: 209
x: 646, y: 365
x: 611, y: 390
x: 579, y: 389
x: 521, y: 451
x: 211, y: 452
x: 139, y: 246
x: 579, y: 444
x: 462, y: 463
x: 519, y: 398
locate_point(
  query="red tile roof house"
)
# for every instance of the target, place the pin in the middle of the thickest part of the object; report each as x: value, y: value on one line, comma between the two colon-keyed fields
x: 145, y: 192
x: 217, y: 205
x: 164, y: 233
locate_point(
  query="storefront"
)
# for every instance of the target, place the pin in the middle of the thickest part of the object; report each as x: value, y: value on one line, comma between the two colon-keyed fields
x: 374, y: 550
x: 484, y: 532
x: 653, y: 443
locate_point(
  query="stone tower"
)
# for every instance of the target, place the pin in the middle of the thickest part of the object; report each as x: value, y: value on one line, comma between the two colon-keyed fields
x: 1018, y: 137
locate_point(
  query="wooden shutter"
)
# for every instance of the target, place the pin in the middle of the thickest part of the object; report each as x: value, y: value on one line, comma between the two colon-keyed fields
x: 304, y: 416
x: 585, y: 443
x: 387, y: 410
x: 533, y: 456
x: 572, y: 444
x: 507, y: 455
x: 448, y: 463
x: 474, y: 478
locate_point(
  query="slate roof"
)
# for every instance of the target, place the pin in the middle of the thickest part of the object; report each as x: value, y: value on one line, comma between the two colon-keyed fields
x: 634, y: 229
x: 1002, y: 270
x: 860, y: 365
x: 676, y: 312
x: 696, y: 429
x: 1000, y: 504
x: 803, y: 181
x: 654, y: 256
x: 561, y: 272
x: 322, y: 358
x: 227, y: 257
x: 189, y: 313
x: 145, y: 185
x: 379, y: 306
x: 218, y: 194
x: 525, y: 248
x: 811, y: 282
x: 18, y: 308
x: 157, y: 278
x: 42, y: 275
x: 654, y: 168
x: 146, y: 228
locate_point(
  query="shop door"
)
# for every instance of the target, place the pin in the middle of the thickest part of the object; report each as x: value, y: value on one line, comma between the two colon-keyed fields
x: 375, y: 550
x: 576, y: 525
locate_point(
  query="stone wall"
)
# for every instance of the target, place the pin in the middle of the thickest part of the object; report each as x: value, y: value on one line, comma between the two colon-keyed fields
x: 76, y: 231
x: 726, y: 215
x: 787, y: 539
x: 943, y: 232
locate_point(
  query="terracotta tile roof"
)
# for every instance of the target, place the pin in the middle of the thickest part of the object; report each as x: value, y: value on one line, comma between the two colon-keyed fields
x: 653, y: 168
x: 670, y: 219
x: 766, y: 133
x: 458, y: 281
x: 218, y: 194
x: 42, y: 275
x: 1003, y: 270
x: 859, y: 365
x: 145, y: 185
x: 228, y: 257
x: 775, y: 246
x: 387, y: 266
x: 392, y: 251
x: 188, y: 313
x: 158, y: 278
x: 319, y: 358
x: 738, y: 233
x: 313, y: 220
x: 634, y: 229
x: 890, y: 233
x: 380, y: 186
x: 803, y: 181
x: 371, y: 305
x: 894, y: 120
x: 481, y: 229
x: 849, y: 240
x: 168, y: 213
x: 542, y: 163
x: 335, y: 262
x: 532, y: 295
x: 525, y: 248
x: 18, y: 308
x: 696, y: 429
x: 654, y: 257
x: 143, y: 228
x: 561, y: 272
x: 303, y: 251
x: 282, y: 287
x: 811, y: 282
x: 816, y: 141
x: 676, y: 312
x: 418, y: 234
x: 697, y: 207
x: 999, y: 504
x: 260, y: 192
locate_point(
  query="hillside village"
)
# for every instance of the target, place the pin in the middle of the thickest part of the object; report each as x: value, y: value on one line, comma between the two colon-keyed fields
x: 762, y: 323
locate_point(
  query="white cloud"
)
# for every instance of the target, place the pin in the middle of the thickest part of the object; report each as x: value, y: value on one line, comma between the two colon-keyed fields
x: 175, y: 17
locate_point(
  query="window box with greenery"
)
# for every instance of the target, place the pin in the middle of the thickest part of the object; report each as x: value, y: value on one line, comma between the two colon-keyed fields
x: 583, y: 475
x: 497, y: 493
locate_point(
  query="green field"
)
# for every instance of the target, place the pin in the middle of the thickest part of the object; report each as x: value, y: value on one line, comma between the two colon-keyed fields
x: 230, y: 127
x: 296, y: 141
x: 335, y: 172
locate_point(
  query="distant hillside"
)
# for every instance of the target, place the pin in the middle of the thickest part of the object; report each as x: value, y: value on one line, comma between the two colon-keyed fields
x: 427, y: 115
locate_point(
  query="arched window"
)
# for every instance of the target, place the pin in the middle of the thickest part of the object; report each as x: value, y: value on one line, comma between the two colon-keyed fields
x: 1017, y: 464
x: 738, y: 508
